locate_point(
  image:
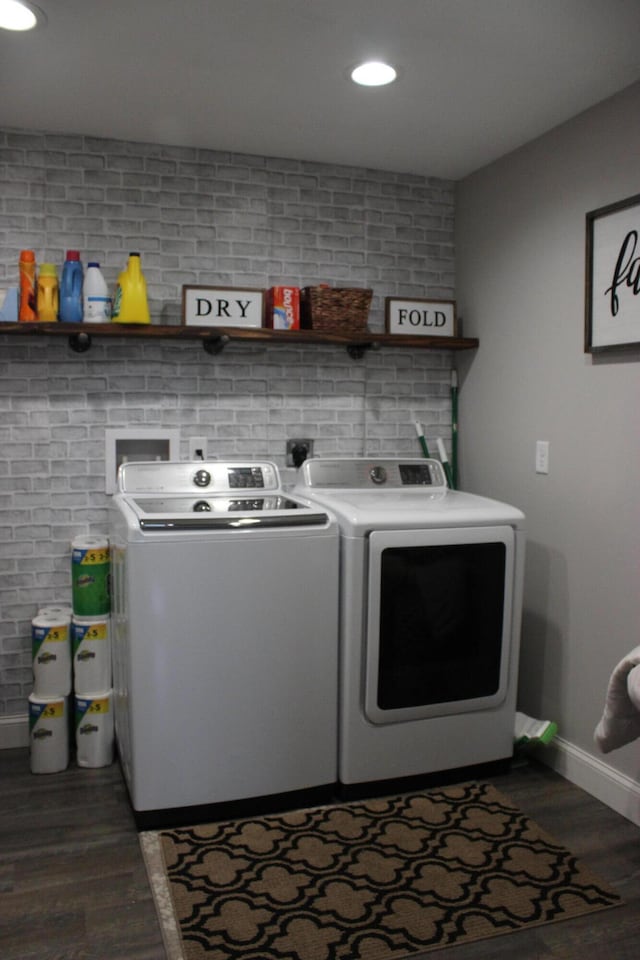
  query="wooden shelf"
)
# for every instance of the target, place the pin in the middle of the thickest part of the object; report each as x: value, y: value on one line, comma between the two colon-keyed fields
x: 214, y: 339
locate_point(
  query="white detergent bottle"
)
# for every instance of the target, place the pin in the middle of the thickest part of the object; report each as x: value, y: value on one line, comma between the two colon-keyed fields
x: 95, y: 295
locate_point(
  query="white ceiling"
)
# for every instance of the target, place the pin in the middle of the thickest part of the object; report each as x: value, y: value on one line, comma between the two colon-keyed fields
x: 478, y: 78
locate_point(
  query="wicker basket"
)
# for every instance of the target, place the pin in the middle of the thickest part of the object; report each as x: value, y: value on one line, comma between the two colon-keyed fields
x: 335, y: 310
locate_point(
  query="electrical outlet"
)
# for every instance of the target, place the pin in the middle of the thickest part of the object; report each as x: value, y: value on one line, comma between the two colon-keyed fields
x: 298, y: 451
x: 197, y: 448
x: 542, y: 456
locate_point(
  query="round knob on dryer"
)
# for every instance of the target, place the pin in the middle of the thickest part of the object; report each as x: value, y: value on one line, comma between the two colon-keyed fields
x: 201, y: 506
x: 378, y: 475
x: 202, y: 478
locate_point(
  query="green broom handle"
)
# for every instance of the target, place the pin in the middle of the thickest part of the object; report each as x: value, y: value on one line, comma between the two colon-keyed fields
x: 454, y: 429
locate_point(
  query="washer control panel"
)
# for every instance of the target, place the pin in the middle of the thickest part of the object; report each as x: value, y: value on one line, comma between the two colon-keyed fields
x: 361, y: 473
x: 241, y: 478
x: 212, y: 476
x: 378, y: 475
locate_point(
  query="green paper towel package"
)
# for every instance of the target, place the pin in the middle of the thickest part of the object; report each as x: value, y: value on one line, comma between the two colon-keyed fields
x: 90, y: 574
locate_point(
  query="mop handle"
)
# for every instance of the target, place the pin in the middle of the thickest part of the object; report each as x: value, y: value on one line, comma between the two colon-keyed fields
x: 423, y: 442
x: 445, y: 461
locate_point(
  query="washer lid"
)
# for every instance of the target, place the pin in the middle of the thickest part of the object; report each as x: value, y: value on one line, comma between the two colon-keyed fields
x: 179, y: 513
x: 209, y: 495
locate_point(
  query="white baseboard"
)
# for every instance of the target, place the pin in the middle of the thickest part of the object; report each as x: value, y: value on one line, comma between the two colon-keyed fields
x: 612, y: 788
x: 615, y: 789
x: 14, y: 732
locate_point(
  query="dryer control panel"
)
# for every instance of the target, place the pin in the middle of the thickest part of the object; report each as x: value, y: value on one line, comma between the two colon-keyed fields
x: 363, y: 473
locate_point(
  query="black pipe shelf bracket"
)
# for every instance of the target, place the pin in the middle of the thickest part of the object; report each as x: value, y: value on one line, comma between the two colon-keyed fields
x: 80, y: 342
x: 215, y: 345
x: 357, y: 350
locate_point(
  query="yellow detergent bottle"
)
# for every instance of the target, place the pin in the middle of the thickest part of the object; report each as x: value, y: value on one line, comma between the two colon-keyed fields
x: 47, y: 294
x: 130, y: 302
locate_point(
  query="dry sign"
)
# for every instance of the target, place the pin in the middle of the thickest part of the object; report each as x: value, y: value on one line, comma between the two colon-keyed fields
x: 420, y: 318
x: 222, y: 306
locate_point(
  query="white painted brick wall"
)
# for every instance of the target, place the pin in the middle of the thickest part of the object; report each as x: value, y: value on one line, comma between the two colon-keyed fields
x: 197, y: 216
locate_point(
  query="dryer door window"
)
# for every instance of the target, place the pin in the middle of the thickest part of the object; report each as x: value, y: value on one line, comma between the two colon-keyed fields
x: 439, y: 622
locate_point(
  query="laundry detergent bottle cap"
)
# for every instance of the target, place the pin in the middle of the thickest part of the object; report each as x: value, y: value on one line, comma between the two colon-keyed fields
x: 47, y: 293
x: 27, y: 309
x: 71, y: 288
x: 130, y: 303
x: 96, y: 301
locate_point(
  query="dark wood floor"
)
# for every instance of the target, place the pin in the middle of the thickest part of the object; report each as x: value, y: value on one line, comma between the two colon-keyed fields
x: 73, y: 884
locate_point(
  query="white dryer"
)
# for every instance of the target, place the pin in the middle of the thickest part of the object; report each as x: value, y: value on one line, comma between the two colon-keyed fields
x: 225, y: 611
x: 430, y: 611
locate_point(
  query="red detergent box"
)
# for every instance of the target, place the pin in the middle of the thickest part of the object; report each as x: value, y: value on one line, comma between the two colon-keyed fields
x: 283, y: 308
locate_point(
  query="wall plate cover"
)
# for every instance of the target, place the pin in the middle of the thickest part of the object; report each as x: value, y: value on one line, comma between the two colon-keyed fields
x: 542, y: 456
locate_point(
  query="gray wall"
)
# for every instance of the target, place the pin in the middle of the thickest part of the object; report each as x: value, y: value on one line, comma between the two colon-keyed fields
x: 197, y: 217
x: 520, y: 227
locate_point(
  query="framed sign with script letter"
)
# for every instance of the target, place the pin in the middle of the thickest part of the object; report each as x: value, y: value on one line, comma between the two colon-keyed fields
x: 612, y: 289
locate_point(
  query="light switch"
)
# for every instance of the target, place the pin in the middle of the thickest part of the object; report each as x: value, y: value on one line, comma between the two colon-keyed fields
x: 542, y: 456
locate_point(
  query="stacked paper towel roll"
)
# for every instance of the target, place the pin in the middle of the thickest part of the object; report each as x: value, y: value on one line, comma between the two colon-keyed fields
x: 71, y: 646
x: 52, y: 678
x: 91, y: 644
x: 90, y: 574
x: 94, y: 729
x: 51, y: 651
x: 93, y: 697
x: 55, y: 610
x: 48, y: 734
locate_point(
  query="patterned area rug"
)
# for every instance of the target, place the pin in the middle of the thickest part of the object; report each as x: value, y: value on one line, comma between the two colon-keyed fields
x: 380, y: 879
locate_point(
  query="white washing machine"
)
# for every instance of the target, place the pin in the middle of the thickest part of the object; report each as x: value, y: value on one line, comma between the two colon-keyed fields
x: 225, y: 608
x: 430, y: 610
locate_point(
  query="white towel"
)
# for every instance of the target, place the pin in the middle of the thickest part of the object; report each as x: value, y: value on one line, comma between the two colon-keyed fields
x: 633, y: 687
x: 620, y: 722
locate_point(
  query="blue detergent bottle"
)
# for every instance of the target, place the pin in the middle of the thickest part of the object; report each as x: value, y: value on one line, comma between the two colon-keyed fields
x: 71, y: 289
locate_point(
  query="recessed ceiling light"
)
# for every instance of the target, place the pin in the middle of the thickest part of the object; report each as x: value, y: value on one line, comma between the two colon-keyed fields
x: 373, y: 74
x: 17, y: 15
